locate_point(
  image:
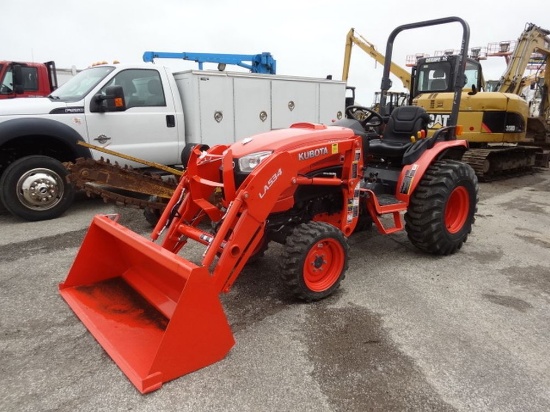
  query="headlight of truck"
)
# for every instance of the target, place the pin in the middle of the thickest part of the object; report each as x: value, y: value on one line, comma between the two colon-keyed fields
x: 249, y: 162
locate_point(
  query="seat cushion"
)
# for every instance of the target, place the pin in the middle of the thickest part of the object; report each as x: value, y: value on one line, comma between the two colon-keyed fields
x: 384, y: 148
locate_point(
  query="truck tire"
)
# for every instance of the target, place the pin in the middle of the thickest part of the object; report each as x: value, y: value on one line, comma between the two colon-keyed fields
x: 315, y: 260
x: 35, y: 188
x: 442, y: 209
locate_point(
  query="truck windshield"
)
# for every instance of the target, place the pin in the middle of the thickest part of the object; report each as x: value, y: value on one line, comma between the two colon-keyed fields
x: 80, y: 85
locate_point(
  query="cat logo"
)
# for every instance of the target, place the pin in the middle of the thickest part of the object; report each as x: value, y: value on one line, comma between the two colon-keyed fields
x: 438, y: 121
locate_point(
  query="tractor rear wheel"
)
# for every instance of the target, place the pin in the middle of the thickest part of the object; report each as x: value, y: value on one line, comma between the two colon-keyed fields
x: 315, y: 260
x: 442, y: 209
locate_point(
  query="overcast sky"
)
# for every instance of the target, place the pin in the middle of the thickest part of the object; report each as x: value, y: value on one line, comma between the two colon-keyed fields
x: 306, y: 38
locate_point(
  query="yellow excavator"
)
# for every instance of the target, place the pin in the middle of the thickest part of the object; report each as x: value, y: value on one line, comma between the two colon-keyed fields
x: 497, y: 124
x: 503, y: 137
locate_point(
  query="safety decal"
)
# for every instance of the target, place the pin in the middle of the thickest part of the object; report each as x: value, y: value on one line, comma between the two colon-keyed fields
x: 355, y: 164
x: 408, y: 179
x: 353, y: 204
x: 334, y: 148
x: 350, y: 210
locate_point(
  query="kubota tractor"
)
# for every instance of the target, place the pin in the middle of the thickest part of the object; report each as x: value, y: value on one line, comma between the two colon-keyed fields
x: 308, y: 187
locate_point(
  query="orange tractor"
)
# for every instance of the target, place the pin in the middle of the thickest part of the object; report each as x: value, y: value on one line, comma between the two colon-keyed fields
x: 308, y: 187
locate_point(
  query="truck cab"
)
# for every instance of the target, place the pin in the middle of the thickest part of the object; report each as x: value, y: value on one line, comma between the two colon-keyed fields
x: 27, y: 79
x: 151, y: 121
x: 38, y: 135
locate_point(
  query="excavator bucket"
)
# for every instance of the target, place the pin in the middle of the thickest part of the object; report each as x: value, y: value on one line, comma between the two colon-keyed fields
x: 156, y: 314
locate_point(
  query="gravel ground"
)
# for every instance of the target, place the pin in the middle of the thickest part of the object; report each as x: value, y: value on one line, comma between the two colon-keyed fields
x: 406, y: 331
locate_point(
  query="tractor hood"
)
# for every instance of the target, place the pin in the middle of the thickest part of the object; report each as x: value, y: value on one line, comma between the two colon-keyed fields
x: 36, y: 106
x: 298, y: 135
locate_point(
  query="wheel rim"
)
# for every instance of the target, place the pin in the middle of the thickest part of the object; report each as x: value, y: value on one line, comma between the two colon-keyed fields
x: 323, y: 265
x: 40, y: 189
x: 457, y: 209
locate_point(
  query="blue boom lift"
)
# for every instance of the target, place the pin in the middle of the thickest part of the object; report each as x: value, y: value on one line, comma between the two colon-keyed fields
x: 259, y: 63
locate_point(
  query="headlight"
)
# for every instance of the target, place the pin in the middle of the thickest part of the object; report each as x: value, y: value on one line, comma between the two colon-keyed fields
x: 249, y: 162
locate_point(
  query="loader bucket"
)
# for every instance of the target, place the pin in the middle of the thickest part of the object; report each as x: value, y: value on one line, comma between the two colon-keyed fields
x: 156, y: 314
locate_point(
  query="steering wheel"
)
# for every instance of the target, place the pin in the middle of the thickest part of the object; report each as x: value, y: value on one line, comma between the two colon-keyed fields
x: 367, y: 117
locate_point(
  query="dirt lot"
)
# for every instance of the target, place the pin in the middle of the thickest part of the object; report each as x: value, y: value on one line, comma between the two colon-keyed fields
x: 406, y: 331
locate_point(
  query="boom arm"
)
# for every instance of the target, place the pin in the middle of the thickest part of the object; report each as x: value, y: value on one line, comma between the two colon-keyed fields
x: 369, y: 48
x: 533, y: 40
x: 259, y: 63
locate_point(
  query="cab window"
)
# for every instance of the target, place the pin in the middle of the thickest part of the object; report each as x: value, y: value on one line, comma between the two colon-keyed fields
x: 434, y: 77
x: 142, y: 87
x: 471, y: 75
x: 30, y: 80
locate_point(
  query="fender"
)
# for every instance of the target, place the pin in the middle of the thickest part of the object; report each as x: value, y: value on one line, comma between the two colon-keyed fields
x: 32, y: 126
x: 412, y: 174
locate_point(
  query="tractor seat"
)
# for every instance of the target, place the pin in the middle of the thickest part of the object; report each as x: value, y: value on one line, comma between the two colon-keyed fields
x: 404, y: 122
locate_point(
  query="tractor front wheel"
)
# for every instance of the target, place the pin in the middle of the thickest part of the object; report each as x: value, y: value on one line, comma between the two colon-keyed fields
x: 442, y: 209
x: 315, y: 260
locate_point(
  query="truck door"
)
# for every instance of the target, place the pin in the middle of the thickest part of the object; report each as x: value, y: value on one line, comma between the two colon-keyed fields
x: 147, y: 129
x: 28, y: 86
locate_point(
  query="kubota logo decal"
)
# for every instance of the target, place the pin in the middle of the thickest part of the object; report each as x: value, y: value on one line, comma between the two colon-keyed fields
x: 312, y: 153
x: 271, y: 182
x: 438, y: 120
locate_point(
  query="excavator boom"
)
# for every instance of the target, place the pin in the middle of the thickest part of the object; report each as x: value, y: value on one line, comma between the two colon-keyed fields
x: 355, y: 38
x: 533, y: 40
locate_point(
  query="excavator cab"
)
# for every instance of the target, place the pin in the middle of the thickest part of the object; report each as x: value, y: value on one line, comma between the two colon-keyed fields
x: 442, y: 74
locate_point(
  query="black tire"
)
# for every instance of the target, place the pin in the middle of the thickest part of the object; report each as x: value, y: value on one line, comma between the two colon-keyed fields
x: 442, y: 209
x: 152, y: 215
x: 315, y: 260
x: 35, y: 188
x: 186, y: 152
x: 259, y: 252
x: 365, y: 221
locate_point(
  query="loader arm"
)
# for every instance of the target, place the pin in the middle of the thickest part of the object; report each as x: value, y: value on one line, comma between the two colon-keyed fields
x: 242, y: 227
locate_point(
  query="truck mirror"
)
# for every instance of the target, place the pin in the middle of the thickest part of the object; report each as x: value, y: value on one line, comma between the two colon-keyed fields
x: 111, y: 101
x: 114, y: 98
x: 17, y: 79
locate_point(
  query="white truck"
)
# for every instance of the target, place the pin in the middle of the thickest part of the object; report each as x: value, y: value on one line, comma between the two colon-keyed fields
x: 145, y: 111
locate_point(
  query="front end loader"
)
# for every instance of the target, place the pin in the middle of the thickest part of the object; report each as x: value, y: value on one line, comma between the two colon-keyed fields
x: 308, y: 187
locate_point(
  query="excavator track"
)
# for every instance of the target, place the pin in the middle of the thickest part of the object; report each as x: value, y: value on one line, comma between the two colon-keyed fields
x: 122, y: 185
x: 498, y: 162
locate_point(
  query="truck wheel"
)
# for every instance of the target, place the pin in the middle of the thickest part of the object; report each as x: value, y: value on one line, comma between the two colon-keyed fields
x: 442, y: 209
x: 315, y: 260
x: 35, y: 188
